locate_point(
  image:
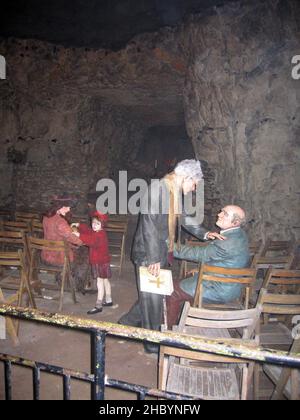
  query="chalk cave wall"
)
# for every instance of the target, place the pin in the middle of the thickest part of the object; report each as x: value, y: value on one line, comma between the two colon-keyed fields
x: 70, y: 116
x: 54, y: 137
x: 242, y: 110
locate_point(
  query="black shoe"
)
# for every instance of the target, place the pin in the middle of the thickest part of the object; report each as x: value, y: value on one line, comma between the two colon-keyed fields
x: 107, y: 303
x: 94, y: 311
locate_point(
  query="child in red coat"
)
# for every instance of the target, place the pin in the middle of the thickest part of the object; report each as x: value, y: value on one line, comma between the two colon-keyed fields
x: 96, y: 240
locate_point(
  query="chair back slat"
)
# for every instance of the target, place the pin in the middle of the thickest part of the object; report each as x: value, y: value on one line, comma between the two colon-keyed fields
x: 12, y: 259
x: 26, y: 216
x: 244, y: 276
x: 277, y: 298
x: 277, y: 247
x: 16, y: 226
x: 219, y: 279
x: 222, y: 315
x: 281, y: 277
x: 43, y: 244
x: 241, y: 323
x: 12, y: 237
x: 282, y: 261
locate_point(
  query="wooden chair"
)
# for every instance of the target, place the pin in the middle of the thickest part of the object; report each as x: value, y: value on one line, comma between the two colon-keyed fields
x: 13, y: 240
x: 116, y: 232
x: 276, y: 334
x: 280, y: 302
x: 204, y: 375
x: 277, y: 248
x: 16, y: 226
x: 11, y: 329
x: 262, y: 264
x: 21, y: 284
x: 244, y: 276
x: 281, y: 261
x: 286, y: 380
x: 35, y: 246
x: 24, y: 216
x: 282, y: 280
x: 123, y: 218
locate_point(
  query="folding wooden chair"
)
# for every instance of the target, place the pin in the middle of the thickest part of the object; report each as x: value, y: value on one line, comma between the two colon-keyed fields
x: 204, y: 375
x: 11, y: 329
x: 21, y: 283
x: 13, y: 240
x: 24, y: 216
x: 16, y: 226
x: 244, y: 276
x: 281, y: 261
x: 276, y: 334
x: 117, y: 231
x: 36, y: 246
x: 277, y: 248
x: 278, y: 301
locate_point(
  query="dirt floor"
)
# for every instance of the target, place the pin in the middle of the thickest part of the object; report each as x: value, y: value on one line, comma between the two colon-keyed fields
x: 125, y: 359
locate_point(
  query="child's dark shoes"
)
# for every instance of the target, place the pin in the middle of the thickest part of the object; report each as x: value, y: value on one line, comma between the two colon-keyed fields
x: 108, y: 303
x: 94, y: 311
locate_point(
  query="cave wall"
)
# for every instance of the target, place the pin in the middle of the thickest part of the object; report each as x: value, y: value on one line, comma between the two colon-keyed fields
x: 57, y: 137
x: 64, y: 145
x: 69, y: 116
x: 242, y: 110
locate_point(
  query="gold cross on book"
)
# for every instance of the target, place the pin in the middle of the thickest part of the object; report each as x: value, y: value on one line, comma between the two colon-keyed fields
x: 157, y: 281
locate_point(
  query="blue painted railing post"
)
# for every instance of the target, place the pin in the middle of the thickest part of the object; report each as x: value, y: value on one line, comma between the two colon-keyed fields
x: 98, y: 364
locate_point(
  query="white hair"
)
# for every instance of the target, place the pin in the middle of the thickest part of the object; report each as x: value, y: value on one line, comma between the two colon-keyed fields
x: 189, y: 168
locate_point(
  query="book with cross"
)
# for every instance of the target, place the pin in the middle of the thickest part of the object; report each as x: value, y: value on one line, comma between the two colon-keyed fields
x: 161, y: 285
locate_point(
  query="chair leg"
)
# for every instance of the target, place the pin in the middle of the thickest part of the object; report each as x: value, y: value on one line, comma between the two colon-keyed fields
x: 295, y: 391
x: 63, y: 279
x: 279, y: 388
x: 26, y: 285
x: 244, y: 392
x: 11, y: 329
x: 34, y: 281
x: 71, y: 282
x: 122, y: 254
x: 256, y: 382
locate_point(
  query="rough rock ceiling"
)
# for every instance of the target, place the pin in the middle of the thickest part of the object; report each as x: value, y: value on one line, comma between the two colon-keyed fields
x: 94, y: 23
x: 147, y: 83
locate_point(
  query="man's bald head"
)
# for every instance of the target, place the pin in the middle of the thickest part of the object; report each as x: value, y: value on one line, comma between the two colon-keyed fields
x: 231, y: 216
x: 237, y: 213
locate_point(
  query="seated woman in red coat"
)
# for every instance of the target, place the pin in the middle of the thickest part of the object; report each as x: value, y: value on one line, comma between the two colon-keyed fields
x: 56, y: 228
x: 96, y: 239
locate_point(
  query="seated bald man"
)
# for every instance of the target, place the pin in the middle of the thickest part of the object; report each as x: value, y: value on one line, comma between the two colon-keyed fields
x: 230, y: 252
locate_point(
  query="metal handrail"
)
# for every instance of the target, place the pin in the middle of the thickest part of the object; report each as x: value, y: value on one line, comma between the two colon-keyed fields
x: 99, y: 331
x: 215, y: 346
